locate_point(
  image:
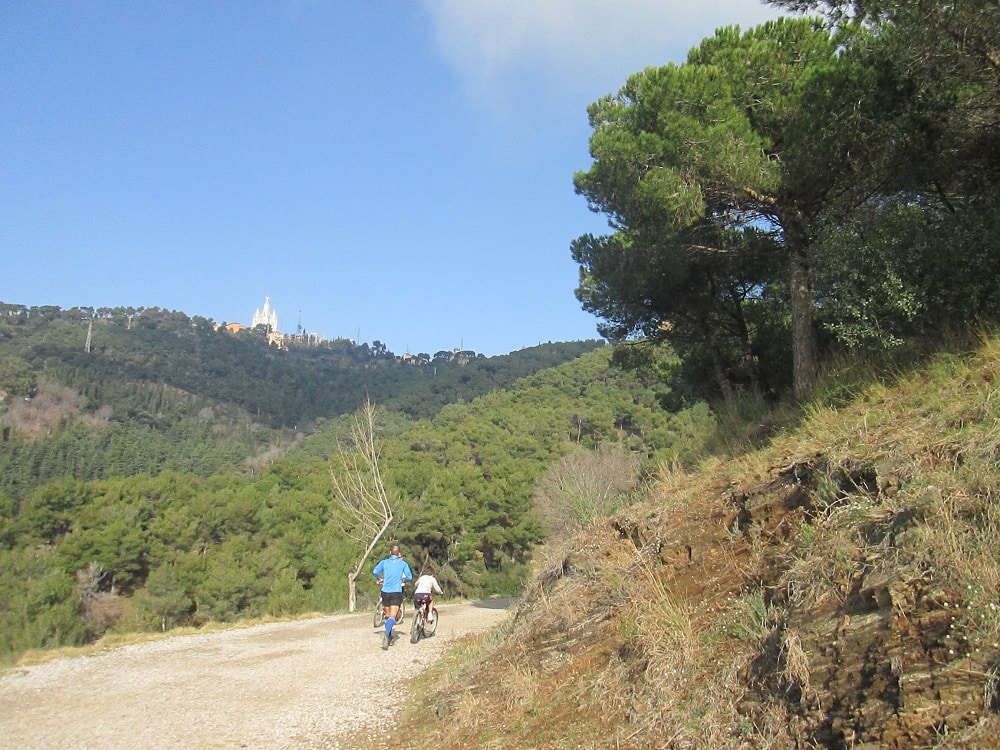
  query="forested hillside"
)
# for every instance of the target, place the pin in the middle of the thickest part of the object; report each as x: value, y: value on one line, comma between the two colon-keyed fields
x: 99, y: 393
x: 107, y: 528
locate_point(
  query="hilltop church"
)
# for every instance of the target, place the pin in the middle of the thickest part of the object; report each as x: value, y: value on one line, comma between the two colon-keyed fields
x: 266, y: 317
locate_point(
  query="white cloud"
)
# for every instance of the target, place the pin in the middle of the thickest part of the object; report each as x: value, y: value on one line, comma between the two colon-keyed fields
x: 500, y: 46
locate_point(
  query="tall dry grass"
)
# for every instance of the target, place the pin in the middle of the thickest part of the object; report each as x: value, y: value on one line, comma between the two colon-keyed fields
x: 912, y: 462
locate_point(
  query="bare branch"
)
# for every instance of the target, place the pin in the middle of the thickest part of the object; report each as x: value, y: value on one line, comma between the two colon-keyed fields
x: 363, y: 507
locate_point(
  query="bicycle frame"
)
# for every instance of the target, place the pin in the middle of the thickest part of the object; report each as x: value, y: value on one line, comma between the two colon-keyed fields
x: 424, y: 624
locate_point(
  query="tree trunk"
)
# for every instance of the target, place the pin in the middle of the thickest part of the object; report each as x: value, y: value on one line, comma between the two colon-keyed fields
x: 352, y: 598
x: 719, y: 369
x: 749, y: 357
x: 353, y: 575
x: 803, y: 334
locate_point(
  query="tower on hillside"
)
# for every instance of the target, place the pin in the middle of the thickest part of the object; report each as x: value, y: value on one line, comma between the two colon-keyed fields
x: 266, y: 317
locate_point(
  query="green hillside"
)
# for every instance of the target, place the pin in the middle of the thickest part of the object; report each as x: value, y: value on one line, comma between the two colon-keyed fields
x: 159, y: 391
x: 100, y: 541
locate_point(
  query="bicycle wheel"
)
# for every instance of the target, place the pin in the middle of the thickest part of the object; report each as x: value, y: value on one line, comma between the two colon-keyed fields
x: 430, y: 625
x: 378, y: 620
x: 402, y: 611
x: 417, y: 628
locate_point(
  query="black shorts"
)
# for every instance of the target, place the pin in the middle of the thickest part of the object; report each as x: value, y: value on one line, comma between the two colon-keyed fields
x: 392, y: 600
x: 420, y: 598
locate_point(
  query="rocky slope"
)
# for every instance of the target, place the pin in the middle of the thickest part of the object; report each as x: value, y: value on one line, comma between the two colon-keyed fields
x: 839, y: 589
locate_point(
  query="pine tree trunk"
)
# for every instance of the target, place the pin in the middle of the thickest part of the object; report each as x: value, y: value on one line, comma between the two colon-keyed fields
x: 803, y: 333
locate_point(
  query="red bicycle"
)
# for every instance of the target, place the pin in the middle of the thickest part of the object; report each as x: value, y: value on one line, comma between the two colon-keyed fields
x: 425, y: 618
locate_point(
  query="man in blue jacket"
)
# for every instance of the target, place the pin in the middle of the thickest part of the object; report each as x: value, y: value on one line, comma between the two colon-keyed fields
x: 391, y: 573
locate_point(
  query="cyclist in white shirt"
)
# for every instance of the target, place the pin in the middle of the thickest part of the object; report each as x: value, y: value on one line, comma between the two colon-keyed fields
x: 424, y: 590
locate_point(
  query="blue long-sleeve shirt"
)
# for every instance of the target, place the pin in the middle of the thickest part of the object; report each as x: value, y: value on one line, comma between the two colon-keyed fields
x: 394, y: 572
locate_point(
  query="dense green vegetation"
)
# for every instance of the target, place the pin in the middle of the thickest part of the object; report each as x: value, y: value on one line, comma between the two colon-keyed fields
x: 803, y: 186
x: 276, y: 386
x: 128, y: 502
x: 159, y: 391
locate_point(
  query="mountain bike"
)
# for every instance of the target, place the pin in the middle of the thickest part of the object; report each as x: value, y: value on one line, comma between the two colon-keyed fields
x: 425, y: 620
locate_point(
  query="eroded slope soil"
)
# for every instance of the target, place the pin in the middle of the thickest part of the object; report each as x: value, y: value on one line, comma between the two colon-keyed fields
x: 846, y: 598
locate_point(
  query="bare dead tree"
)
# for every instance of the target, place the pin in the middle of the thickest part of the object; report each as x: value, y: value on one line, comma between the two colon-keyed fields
x: 363, y: 506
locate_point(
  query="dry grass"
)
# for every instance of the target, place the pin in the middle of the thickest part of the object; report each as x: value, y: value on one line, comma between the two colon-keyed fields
x: 901, y: 486
x: 52, y: 405
x: 665, y: 625
x: 584, y: 486
x: 796, y: 662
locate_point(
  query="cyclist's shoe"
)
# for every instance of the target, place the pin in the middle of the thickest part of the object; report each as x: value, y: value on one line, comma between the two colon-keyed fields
x: 385, y: 641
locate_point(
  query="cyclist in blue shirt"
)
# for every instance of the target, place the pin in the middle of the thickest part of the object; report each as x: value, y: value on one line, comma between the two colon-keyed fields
x: 391, y: 573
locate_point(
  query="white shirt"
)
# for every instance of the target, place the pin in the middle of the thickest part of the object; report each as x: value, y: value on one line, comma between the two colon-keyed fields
x: 426, y: 584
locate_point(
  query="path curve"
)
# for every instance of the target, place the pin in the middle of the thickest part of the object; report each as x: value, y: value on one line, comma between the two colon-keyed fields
x: 309, y: 684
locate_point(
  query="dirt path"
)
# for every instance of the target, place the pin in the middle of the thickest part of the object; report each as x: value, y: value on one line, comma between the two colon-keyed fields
x: 293, y: 685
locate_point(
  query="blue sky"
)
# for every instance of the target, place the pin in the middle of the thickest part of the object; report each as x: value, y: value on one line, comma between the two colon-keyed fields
x: 392, y: 171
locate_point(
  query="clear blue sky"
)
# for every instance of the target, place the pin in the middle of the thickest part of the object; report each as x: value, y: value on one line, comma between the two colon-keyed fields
x: 397, y: 171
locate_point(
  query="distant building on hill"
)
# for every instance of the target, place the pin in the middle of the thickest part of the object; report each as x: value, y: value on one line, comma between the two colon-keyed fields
x: 266, y: 317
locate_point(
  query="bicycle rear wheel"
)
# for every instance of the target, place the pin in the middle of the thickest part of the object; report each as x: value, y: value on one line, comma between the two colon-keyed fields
x: 378, y: 619
x: 430, y: 626
x: 417, y: 628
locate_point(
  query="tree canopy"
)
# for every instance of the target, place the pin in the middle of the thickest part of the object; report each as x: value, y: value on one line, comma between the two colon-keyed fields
x: 694, y: 163
x: 804, y: 182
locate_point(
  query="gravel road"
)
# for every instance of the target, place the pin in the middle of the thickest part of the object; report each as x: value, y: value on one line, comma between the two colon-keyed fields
x: 281, y: 686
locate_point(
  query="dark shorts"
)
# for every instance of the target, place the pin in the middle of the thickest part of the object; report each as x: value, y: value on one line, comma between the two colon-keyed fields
x: 419, y: 598
x: 392, y: 600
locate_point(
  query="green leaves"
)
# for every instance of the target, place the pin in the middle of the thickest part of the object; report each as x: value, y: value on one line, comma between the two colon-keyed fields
x: 39, y: 603
x: 181, y: 550
x: 723, y: 177
x: 111, y: 534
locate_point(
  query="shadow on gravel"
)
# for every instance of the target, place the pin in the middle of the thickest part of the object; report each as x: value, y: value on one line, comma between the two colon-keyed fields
x: 498, y: 603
